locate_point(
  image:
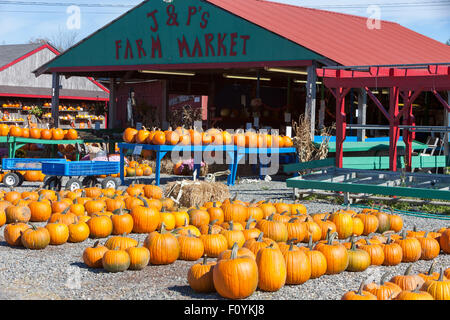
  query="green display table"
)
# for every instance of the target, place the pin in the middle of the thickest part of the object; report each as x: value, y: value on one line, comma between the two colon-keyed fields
x: 361, y: 146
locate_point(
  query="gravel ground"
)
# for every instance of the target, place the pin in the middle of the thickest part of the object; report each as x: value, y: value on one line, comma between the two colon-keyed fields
x: 58, y: 272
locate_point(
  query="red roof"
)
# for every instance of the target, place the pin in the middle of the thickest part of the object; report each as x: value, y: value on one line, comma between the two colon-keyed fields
x: 342, y: 38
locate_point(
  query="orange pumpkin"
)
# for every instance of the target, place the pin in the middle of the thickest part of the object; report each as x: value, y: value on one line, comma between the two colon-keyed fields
x: 172, y: 138
x: 15, y: 131
x: 46, y: 134
x: 159, y: 138
x: 129, y: 135
x: 72, y: 134
x: 57, y: 134
x: 35, y: 133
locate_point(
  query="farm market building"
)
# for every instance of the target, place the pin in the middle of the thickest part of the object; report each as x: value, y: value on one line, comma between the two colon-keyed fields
x: 235, y: 51
x: 20, y: 89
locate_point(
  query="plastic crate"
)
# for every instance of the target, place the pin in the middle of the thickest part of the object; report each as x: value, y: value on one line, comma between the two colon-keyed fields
x: 26, y: 164
x: 80, y: 168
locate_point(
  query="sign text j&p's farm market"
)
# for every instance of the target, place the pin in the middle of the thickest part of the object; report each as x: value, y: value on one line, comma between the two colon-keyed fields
x: 204, y: 44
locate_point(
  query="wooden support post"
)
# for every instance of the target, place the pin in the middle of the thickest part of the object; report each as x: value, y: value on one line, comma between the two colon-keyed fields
x: 311, y: 93
x: 394, y: 131
x: 112, y: 104
x: 341, y: 124
x: 164, y: 104
x: 447, y: 123
x: 55, y: 98
x: 362, y: 113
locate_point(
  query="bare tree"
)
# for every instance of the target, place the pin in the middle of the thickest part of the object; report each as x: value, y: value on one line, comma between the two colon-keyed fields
x: 62, y: 39
x: 448, y: 42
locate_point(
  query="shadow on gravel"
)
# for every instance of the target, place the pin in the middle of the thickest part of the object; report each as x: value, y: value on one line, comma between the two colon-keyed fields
x: 186, y: 291
x: 5, y: 244
x: 81, y: 265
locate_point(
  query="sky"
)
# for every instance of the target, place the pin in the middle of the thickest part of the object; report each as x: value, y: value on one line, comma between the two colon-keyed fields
x: 21, y: 22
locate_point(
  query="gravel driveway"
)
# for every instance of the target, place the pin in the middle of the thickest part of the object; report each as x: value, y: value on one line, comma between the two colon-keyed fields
x: 58, y: 272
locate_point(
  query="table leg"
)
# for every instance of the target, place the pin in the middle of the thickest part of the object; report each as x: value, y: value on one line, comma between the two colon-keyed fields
x: 231, y: 168
x: 159, y: 156
x: 296, y: 161
x: 238, y: 157
x: 122, y: 165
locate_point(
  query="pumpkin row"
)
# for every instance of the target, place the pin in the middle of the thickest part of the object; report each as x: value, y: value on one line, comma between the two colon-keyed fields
x: 428, y: 285
x: 181, y: 136
x: 38, y: 133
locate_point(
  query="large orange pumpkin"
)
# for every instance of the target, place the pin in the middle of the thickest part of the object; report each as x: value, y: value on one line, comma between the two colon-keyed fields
x: 159, y: 138
x: 172, y: 138
x: 15, y: 131
x: 57, y: 134
x: 35, y: 133
x: 72, y: 134
x: 46, y: 134
x: 129, y: 135
x: 4, y: 129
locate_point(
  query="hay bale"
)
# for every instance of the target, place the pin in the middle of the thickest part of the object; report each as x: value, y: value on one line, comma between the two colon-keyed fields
x: 195, y: 193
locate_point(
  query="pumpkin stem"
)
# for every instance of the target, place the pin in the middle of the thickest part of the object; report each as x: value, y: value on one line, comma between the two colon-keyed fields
x: 441, y: 275
x: 291, y: 245
x: 361, y: 288
x: 270, y: 218
x: 163, y: 228
x: 430, y: 271
x: 384, y: 278
x: 310, y: 242
x: 408, y: 270
x: 205, y: 258
x: 234, y: 250
x: 332, y: 237
x: 249, y: 221
x: 260, y: 236
x: 66, y: 210
x: 353, y: 242
x: 403, y: 234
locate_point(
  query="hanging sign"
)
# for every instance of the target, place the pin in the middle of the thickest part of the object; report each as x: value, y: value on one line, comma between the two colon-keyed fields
x: 289, y: 131
x: 137, y: 150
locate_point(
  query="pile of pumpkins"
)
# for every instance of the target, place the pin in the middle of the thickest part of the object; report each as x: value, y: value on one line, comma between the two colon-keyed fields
x: 425, y: 285
x: 250, y: 245
x: 137, y: 169
x: 38, y: 133
x: 213, y: 136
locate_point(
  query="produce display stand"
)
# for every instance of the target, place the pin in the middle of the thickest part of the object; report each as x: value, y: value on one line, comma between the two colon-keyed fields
x: 162, y: 150
x: 17, y: 142
x: 242, y: 152
x: 75, y: 170
x: 234, y: 153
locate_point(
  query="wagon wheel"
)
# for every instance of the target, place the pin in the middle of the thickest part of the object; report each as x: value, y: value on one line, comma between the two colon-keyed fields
x: 21, y: 178
x: 11, y: 179
x: 53, y: 183
x: 109, y: 182
x: 89, y: 181
x: 73, y: 184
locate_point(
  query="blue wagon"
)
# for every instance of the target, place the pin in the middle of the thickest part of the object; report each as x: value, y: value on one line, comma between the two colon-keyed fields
x: 77, y: 169
x: 14, y: 178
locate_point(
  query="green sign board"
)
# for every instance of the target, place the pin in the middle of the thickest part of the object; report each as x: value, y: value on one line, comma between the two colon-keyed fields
x: 182, y: 32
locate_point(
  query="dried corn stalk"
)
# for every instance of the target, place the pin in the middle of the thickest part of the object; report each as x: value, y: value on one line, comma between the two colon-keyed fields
x: 306, y: 150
